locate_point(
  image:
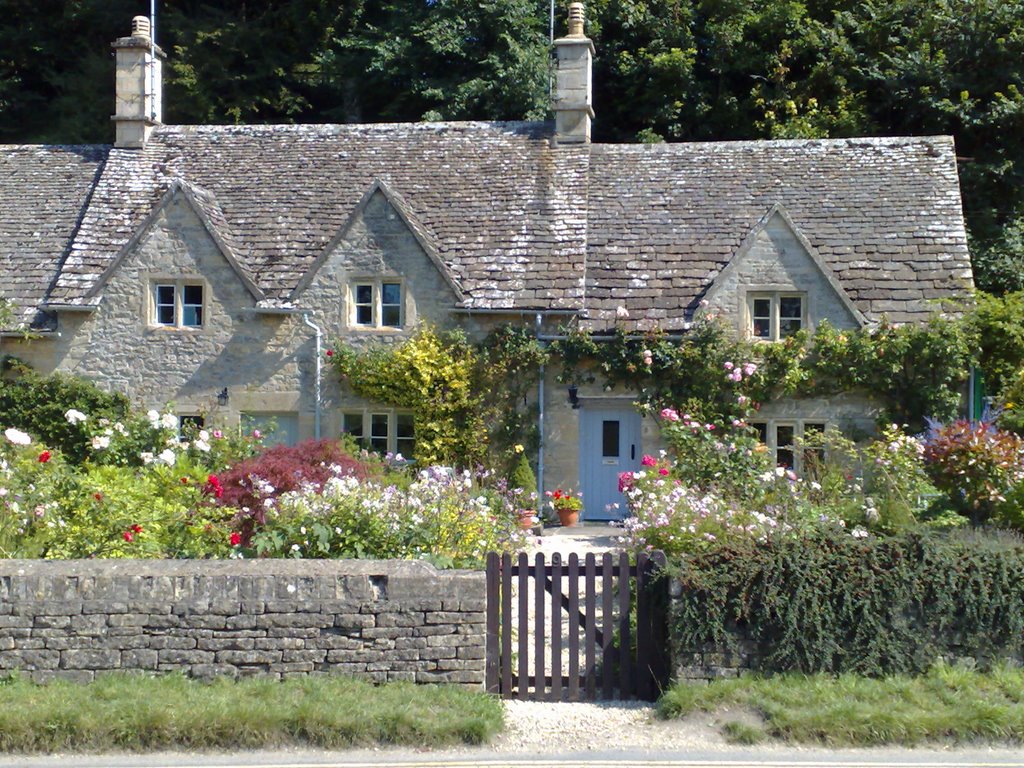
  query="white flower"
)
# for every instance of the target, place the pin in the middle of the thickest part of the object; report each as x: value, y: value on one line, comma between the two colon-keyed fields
x: 154, y: 417
x: 17, y: 437
x: 169, y: 421
x: 147, y: 457
x: 858, y: 533
x: 166, y: 456
x: 120, y: 429
x: 295, y: 547
x: 204, y: 435
x: 74, y: 417
x: 99, y: 442
x: 202, y: 445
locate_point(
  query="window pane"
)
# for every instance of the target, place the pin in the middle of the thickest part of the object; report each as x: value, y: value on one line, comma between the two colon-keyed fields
x: 352, y: 423
x: 164, y: 304
x: 762, y: 318
x: 610, y: 439
x: 790, y: 315
x: 191, y: 316
x: 405, y: 435
x: 364, y: 294
x: 189, y: 426
x: 762, y: 432
x: 391, y: 316
x: 364, y: 315
x: 784, y: 446
x: 192, y: 294
x: 391, y: 293
x: 814, y: 455
x: 379, y: 432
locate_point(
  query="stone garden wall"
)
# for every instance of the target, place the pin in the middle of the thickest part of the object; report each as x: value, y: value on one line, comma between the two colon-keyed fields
x: 381, y: 620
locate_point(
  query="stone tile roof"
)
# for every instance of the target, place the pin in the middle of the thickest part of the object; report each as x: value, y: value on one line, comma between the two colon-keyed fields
x: 500, y: 207
x: 43, y: 193
x: 884, y: 214
x: 517, y: 223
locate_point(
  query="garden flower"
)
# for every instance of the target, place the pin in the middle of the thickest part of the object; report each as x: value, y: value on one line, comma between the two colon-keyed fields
x: 330, y: 353
x: 670, y: 414
x: 74, y: 417
x: 17, y: 437
x: 127, y: 536
x: 728, y: 365
x: 217, y: 434
x: 749, y: 369
x: 147, y: 457
x: 236, y: 539
x: 99, y: 442
x: 257, y: 434
x: 648, y: 460
x: 44, y: 457
x: 154, y: 418
x: 166, y: 456
x: 663, y: 471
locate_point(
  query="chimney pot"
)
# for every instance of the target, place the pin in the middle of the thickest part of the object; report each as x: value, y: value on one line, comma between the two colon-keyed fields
x: 140, y: 27
x: 575, y: 19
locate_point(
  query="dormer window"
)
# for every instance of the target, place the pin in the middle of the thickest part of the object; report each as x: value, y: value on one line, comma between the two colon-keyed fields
x: 776, y: 315
x: 178, y: 304
x: 377, y: 304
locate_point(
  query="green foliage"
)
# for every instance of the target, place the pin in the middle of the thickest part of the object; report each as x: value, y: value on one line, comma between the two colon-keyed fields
x: 141, y: 713
x: 834, y: 603
x: 431, y: 374
x: 976, y: 464
x: 947, y: 703
x: 916, y: 371
x: 38, y: 404
x: 441, y: 517
x: 523, y: 483
x: 464, y: 398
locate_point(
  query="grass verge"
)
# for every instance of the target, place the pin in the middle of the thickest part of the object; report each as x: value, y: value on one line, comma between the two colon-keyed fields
x: 138, y: 713
x: 947, y: 704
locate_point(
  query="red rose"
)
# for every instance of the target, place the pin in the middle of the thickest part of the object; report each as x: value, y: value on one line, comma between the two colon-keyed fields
x: 44, y: 457
x: 137, y: 528
x: 127, y: 536
x: 330, y: 353
x: 184, y: 481
x: 98, y: 496
x: 236, y: 539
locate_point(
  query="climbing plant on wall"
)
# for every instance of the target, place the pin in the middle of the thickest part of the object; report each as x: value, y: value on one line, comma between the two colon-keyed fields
x: 915, y: 370
x: 467, y: 400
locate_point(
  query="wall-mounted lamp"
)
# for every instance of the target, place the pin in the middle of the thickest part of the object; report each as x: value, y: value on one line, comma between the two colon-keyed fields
x: 222, y: 397
x: 574, y: 396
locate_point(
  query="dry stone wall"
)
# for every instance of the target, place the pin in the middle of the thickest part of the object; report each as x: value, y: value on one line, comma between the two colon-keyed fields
x: 380, y: 620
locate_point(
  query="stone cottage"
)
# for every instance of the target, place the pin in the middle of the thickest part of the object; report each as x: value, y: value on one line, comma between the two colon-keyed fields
x: 207, y: 266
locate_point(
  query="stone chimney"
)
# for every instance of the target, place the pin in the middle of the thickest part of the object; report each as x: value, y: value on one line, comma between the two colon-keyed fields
x: 573, y: 102
x: 137, y: 86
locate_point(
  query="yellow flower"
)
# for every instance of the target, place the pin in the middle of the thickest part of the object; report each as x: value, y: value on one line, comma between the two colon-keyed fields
x: 518, y: 448
x: 1008, y: 406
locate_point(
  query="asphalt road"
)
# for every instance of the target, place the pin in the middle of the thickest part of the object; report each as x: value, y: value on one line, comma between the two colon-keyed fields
x: 733, y: 758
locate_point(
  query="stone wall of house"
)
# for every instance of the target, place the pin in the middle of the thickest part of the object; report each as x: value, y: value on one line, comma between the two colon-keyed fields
x: 267, y: 362
x: 776, y: 260
x: 381, y: 620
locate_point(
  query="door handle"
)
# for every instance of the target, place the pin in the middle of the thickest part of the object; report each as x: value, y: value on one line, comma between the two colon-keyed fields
x: 632, y: 452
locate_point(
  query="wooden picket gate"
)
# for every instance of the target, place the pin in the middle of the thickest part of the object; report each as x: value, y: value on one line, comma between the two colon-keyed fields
x: 619, y: 609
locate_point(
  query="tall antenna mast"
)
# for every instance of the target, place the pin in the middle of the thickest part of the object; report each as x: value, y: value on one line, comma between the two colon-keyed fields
x: 152, y: 60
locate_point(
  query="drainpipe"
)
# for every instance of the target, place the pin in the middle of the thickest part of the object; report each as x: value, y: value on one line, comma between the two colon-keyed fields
x: 316, y: 386
x: 540, y: 419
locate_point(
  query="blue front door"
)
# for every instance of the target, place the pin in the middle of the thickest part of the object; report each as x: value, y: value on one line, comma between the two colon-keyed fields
x: 609, y: 446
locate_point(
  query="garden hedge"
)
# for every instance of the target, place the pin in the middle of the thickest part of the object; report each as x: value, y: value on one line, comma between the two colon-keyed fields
x: 830, y: 602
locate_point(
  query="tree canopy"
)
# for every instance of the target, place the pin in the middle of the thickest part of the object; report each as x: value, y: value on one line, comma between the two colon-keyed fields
x: 665, y: 70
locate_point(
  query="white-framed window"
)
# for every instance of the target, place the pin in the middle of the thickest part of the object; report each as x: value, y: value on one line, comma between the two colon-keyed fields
x: 776, y: 315
x: 177, y: 303
x: 782, y: 437
x: 275, y: 427
x: 377, y: 303
x: 383, y: 430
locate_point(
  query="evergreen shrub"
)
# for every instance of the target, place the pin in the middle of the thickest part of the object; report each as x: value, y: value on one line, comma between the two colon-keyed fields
x: 830, y: 602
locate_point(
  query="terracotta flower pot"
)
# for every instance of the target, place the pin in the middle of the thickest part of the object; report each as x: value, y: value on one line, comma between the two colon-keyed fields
x: 568, y: 517
x: 527, y: 518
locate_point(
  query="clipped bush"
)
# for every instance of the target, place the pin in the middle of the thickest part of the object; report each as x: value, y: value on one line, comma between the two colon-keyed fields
x: 248, y: 485
x: 829, y: 602
x: 523, y: 484
x: 38, y: 404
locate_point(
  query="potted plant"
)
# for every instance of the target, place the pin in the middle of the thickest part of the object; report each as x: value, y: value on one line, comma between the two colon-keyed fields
x: 523, y: 484
x: 567, y: 505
